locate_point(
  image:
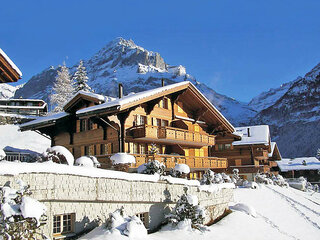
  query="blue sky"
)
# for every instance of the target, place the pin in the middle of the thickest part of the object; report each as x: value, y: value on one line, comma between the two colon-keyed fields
x: 238, y: 48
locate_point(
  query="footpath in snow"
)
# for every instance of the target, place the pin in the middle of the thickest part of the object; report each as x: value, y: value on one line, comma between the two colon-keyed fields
x: 269, y: 212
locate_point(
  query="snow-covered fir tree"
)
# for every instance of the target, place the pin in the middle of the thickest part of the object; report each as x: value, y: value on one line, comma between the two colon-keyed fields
x: 63, y: 89
x: 80, y: 78
x: 188, y: 208
x: 318, y: 154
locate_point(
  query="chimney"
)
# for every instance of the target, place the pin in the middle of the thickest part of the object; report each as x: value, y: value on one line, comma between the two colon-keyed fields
x: 162, y: 82
x: 248, y: 130
x: 120, y: 90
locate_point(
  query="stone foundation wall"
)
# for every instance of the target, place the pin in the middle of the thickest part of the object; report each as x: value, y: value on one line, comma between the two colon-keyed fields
x: 90, y: 198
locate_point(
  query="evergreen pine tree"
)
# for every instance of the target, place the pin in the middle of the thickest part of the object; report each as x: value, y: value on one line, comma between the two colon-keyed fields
x: 318, y: 153
x: 63, y: 89
x: 80, y: 78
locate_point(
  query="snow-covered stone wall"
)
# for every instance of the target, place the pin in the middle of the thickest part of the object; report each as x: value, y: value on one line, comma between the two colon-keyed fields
x: 90, y: 197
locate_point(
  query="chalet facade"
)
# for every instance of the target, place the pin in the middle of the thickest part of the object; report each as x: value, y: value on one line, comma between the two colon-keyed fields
x: 33, y: 107
x: 9, y: 72
x: 251, y: 151
x: 177, y: 118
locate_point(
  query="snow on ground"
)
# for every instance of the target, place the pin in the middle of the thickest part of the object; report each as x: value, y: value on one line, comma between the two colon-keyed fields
x: 12, y: 137
x: 280, y: 213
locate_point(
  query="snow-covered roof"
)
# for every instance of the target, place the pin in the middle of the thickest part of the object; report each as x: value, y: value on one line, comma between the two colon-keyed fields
x: 22, y: 100
x: 135, y: 97
x: 289, y: 164
x: 10, y: 62
x: 273, y: 146
x: 89, y: 94
x: 47, y: 119
x: 22, y: 107
x: 257, y: 135
x: 131, y: 98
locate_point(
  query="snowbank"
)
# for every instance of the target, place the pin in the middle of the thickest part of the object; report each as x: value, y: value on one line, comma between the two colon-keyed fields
x: 12, y: 137
x: 122, y: 158
x: 244, y: 208
x: 2, y: 154
x: 182, y: 168
x: 84, y: 162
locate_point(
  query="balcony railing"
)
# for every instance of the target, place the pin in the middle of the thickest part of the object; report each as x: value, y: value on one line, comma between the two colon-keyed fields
x: 170, y: 134
x: 171, y: 160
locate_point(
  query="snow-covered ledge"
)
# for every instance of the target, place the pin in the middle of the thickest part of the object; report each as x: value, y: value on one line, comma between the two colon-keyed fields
x: 92, y: 192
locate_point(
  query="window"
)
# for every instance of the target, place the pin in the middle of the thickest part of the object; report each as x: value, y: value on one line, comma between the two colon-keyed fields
x: 102, y: 149
x: 143, y: 120
x: 165, y: 103
x: 196, y: 128
x: 82, y: 125
x: 144, y: 217
x: 180, y: 110
x: 63, y: 223
x: 90, y: 124
x: 222, y: 147
x: 142, y: 148
x: 135, y: 148
x: 164, y: 123
x: 86, y: 150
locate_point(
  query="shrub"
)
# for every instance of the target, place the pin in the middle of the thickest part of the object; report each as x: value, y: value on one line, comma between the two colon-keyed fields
x: 20, y: 215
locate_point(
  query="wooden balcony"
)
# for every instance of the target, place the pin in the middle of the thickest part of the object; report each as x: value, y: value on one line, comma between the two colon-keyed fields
x: 195, y: 163
x: 170, y: 135
x: 250, y: 169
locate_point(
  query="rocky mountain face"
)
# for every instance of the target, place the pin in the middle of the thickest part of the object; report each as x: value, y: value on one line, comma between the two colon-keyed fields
x: 292, y: 110
x: 293, y: 115
x: 137, y: 69
x: 7, y: 91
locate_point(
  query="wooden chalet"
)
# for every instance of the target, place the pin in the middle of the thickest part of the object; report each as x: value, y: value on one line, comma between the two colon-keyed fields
x: 251, y: 151
x: 177, y: 118
x: 307, y: 167
x: 9, y: 72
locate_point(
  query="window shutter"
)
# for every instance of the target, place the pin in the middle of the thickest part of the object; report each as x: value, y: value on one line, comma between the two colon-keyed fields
x: 78, y: 125
x: 82, y: 150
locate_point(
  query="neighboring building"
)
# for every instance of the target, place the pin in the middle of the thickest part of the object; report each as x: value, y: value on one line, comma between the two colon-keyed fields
x: 308, y: 167
x: 177, y: 118
x: 251, y: 151
x: 35, y: 107
x: 9, y: 72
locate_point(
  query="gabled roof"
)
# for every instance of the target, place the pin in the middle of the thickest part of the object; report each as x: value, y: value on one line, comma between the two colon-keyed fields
x: 9, y: 71
x: 115, y: 105
x: 135, y: 99
x: 274, y: 150
x: 292, y: 164
x: 92, y: 97
x: 252, y: 135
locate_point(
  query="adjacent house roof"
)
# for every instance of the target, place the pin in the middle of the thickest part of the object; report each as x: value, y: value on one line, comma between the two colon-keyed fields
x: 302, y: 163
x: 251, y: 135
x: 43, y: 121
x: 274, y: 147
x: 9, y: 72
x: 112, y: 106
